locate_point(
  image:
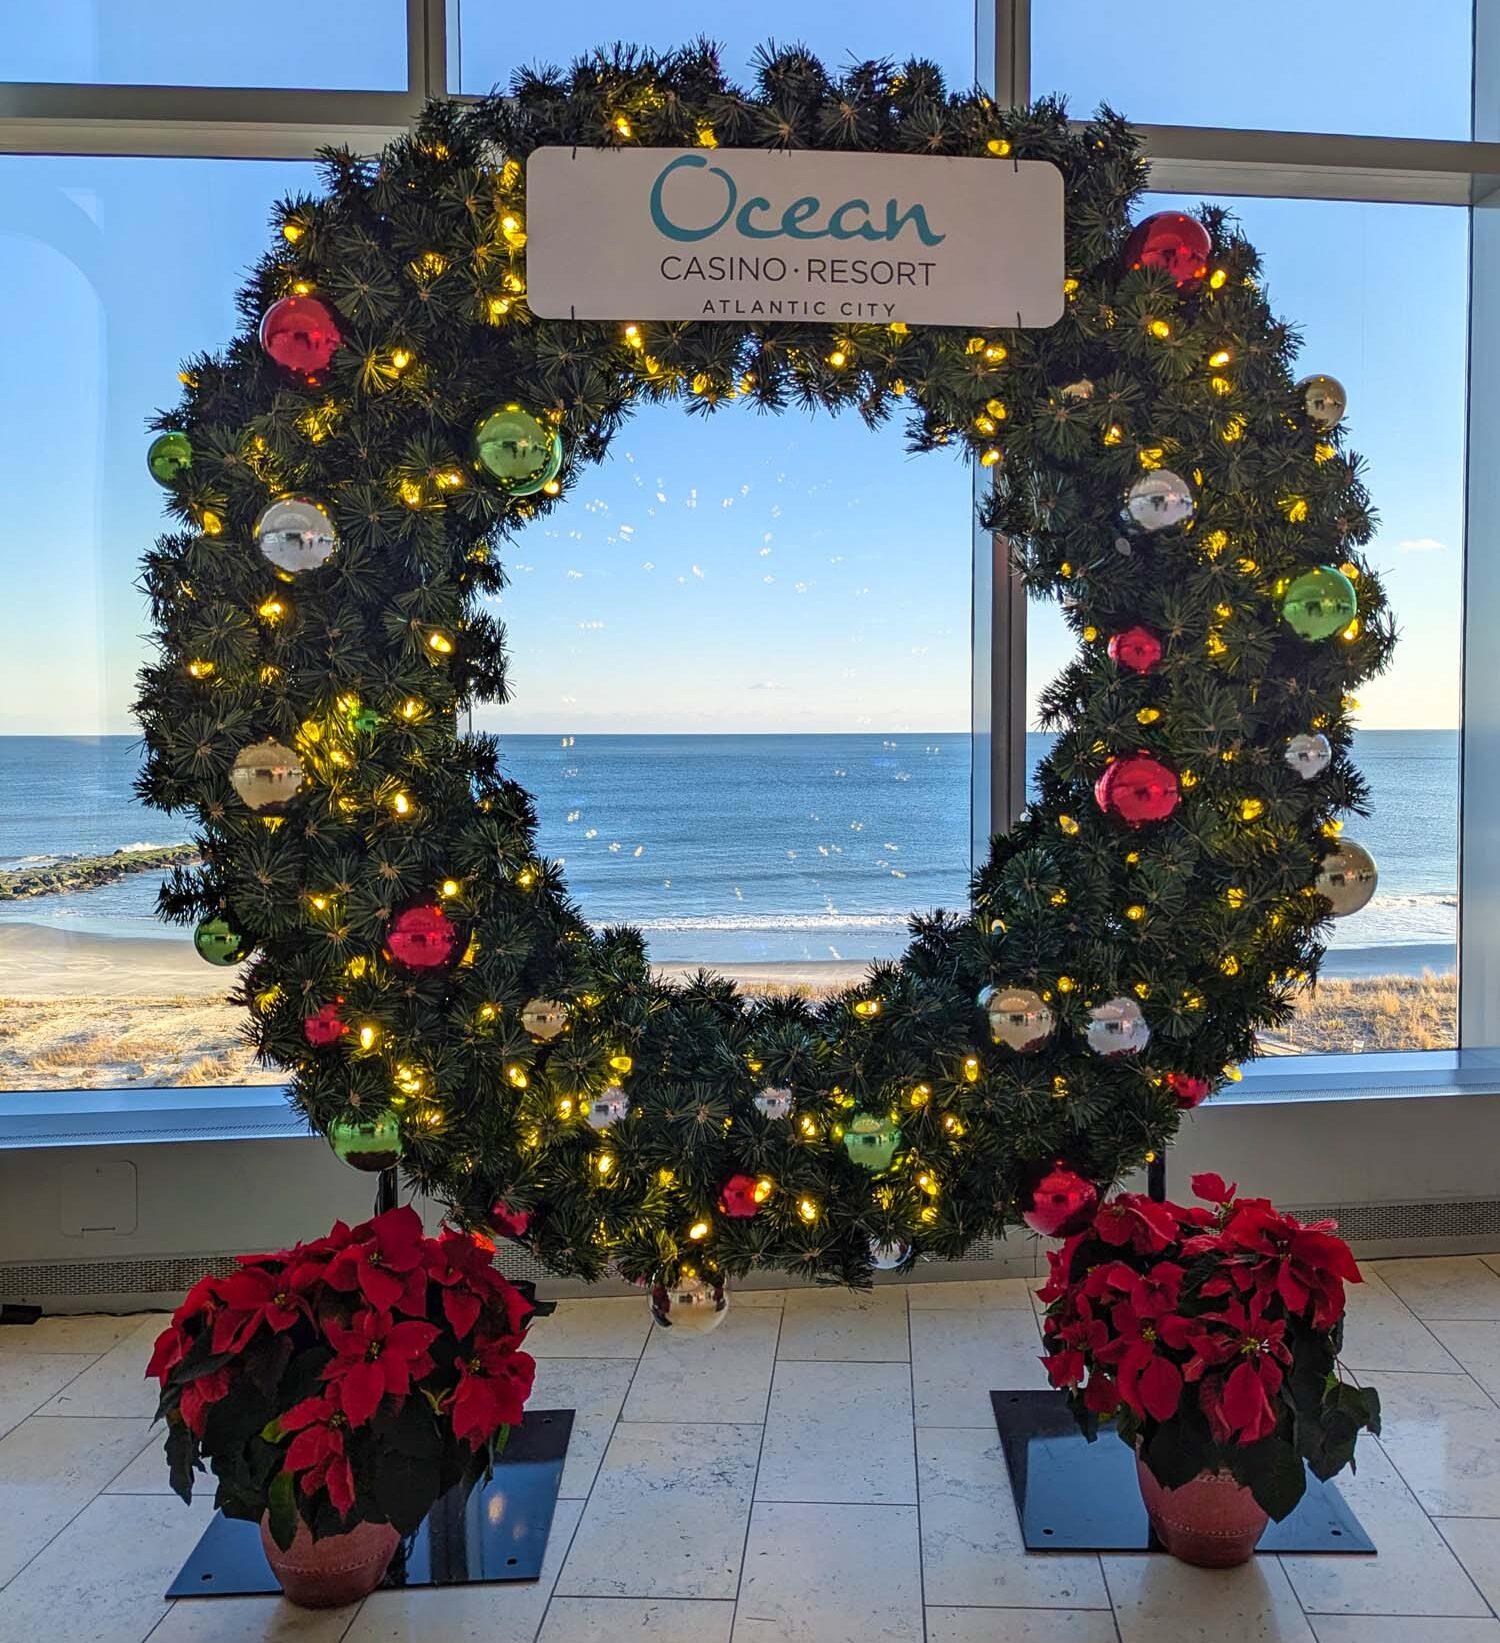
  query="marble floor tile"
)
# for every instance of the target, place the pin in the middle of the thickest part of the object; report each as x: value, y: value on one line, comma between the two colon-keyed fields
x: 49, y: 1472
x: 830, y: 1574
x: 1381, y: 1332
x: 147, y: 1473
x: 1412, y: 1571
x: 652, y: 1620
x: 594, y: 1389
x: 1406, y: 1629
x: 610, y: 1327
x: 971, y: 1295
x: 1159, y: 1600
x: 1447, y: 1286
x: 839, y: 1432
x: 1476, y: 1543
x: 503, y: 1613
x: 972, y: 1551
x: 667, y: 1514
x: 723, y: 1376
x: 844, y: 1325
x: 251, y: 1620
x: 115, y: 1384
x: 1020, y: 1625
x: 90, y: 1332
x: 756, y: 1297
x: 28, y: 1379
x: 1443, y: 1434
x: 101, y: 1580
x: 958, y: 1357
x: 1476, y: 1346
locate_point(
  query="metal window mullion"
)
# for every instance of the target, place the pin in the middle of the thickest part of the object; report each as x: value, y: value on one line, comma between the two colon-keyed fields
x: 1479, y: 741
x: 998, y: 712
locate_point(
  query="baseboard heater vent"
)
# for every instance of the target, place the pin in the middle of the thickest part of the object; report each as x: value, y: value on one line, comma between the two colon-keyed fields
x: 165, y: 1275
x: 1477, y: 1218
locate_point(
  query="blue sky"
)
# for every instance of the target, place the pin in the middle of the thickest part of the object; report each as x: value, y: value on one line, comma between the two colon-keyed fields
x: 735, y: 573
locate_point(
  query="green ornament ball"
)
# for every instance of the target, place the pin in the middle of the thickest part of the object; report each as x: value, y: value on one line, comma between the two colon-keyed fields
x: 366, y: 1143
x: 365, y: 720
x: 871, y: 1141
x: 517, y: 451
x: 169, y: 456
x: 219, y: 942
x: 1320, y: 603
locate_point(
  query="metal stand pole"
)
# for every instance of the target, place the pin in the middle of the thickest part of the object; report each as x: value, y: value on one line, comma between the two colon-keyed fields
x: 1156, y: 1179
x: 385, y: 1191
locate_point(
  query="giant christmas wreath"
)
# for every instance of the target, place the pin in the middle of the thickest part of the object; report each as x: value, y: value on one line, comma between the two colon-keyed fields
x: 347, y: 474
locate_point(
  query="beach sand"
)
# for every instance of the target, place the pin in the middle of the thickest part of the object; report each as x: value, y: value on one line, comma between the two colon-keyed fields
x: 80, y: 1011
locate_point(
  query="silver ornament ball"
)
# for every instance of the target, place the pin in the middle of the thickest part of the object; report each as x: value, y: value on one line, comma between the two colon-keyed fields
x: 266, y: 776
x: 607, y: 1108
x: 1309, y: 754
x: 887, y: 1257
x: 1159, y: 500
x: 1347, y: 878
x: 1324, y: 399
x: 692, y: 1305
x: 296, y: 534
x: 1118, y: 1028
x: 772, y: 1102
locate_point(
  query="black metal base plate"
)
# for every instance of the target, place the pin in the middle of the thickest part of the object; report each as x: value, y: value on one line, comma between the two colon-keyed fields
x: 1077, y: 1496
x: 495, y: 1531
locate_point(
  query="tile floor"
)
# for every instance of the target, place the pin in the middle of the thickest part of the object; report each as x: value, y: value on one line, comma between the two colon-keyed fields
x: 822, y: 1469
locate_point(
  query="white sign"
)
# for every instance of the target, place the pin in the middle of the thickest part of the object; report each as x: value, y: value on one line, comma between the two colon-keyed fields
x: 751, y: 235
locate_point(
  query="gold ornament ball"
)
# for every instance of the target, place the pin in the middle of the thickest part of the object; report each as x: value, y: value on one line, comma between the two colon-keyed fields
x: 266, y: 776
x: 545, y: 1019
x: 1324, y: 399
x: 1019, y: 1017
x: 1347, y: 878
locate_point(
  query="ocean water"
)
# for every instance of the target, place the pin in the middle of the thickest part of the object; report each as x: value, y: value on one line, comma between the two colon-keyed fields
x: 728, y: 849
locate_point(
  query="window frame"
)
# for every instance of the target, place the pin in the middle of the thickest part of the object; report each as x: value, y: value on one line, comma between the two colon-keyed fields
x: 251, y: 123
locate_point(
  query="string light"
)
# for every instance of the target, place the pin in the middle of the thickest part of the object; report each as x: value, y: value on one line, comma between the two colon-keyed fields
x: 199, y: 668
x: 971, y: 1068
x: 604, y: 1162
x: 401, y: 804
x: 763, y: 1189
x: 1068, y: 825
x: 1252, y: 809
x: 867, y: 1007
x: 1159, y: 329
x: 1220, y: 357
x: 1135, y: 912
x: 698, y: 1231
x: 291, y: 232
x: 1218, y: 279
x: 449, y: 887
x: 623, y: 126
x: 440, y: 642
x: 517, y: 1075
x: 807, y: 1208
x: 998, y: 146
x: 272, y: 610
x: 621, y: 1063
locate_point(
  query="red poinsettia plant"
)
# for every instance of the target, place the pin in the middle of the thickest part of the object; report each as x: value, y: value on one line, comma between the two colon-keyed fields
x: 353, y: 1379
x: 1209, y: 1334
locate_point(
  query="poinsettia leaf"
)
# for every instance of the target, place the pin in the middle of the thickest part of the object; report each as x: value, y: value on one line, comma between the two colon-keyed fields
x: 266, y: 1365
x: 410, y: 1430
x: 1172, y: 1455
x: 182, y: 1462
x: 195, y: 1367
x: 281, y: 1505
x: 403, y: 1488
x: 1274, y: 1471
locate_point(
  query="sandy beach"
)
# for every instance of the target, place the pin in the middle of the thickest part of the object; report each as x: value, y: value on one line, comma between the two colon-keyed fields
x: 83, y: 1011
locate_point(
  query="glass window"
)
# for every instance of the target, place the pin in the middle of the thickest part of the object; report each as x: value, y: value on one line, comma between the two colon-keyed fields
x: 740, y: 689
x: 485, y: 45
x: 1363, y: 67
x: 1391, y: 327
x: 110, y: 281
x: 334, y: 45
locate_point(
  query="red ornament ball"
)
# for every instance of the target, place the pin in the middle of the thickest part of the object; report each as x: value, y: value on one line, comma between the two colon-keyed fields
x: 1175, y: 243
x: 1138, y: 789
x: 1062, y: 1203
x: 422, y: 938
x: 325, y: 1026
x: 737, y: 1198
x: 300, y: 333
x: 512, y: 1222
x: 1190, y: 1091
x: 1137, y: 648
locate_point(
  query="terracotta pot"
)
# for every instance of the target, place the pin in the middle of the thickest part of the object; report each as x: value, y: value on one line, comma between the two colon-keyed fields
x: 1212, y: 1521
x: 322, y: 1574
